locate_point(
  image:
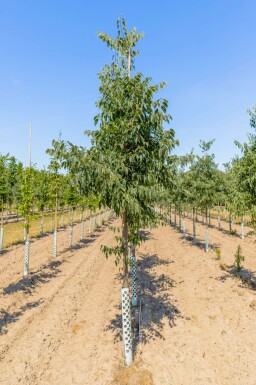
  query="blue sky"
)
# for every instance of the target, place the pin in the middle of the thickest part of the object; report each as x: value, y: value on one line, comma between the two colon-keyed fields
x: 50, y: 58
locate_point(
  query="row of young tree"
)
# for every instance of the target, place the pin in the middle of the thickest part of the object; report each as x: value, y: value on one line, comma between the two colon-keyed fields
x: 43, y: 184
x: 129, y: 165
x: 199, y: 186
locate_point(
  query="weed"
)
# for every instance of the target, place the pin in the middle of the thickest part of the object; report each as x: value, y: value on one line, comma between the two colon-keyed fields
x: 217, y: 250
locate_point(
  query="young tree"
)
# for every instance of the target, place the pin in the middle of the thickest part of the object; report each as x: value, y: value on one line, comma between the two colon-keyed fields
x: 130, y: 150
x: 25, y: 208
x: 245, y: 169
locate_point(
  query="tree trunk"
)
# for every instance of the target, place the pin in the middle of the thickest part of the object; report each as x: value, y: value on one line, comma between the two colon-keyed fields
x: 125, y: 249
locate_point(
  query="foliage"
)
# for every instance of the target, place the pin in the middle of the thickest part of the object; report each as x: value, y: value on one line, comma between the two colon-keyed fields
x: 217, y: 252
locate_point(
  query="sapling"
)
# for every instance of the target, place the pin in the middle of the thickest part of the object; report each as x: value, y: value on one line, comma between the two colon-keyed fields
x: 27, y: 197
x: 239, y: 258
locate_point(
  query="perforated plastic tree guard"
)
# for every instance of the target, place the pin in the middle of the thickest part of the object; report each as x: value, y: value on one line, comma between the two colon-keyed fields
x: 41, y: 228
x: 1, y: 238
x: 55, y: 237
x: 70, y: 235
x: 82, y: 231
x: 51, y: 224
x: 90, y: 225
x: 134, y: 278
x: 184, y: 230
x: 194, y: 232
x: 126, y: 326
x: 25, y: 233
x: 242, y: 230
x: 26, y: 258
x: 207, y: 240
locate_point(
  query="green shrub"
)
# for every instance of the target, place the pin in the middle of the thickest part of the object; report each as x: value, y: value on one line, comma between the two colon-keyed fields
x: 239, y: 258
x: 217, y: 252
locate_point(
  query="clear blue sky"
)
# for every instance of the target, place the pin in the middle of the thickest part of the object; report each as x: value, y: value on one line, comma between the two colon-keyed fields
x: 50, y: 57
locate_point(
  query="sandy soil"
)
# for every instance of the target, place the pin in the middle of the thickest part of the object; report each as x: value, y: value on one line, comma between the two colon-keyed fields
x: 62, y: 326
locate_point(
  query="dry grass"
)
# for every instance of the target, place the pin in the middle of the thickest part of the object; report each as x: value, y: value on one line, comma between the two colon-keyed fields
x: 14, y: 232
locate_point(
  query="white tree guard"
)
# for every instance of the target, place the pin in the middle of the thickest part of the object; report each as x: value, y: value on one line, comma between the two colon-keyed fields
x: 126, y: 327
x: 26, y: 259
x: 82, y: 231
x: 242, y: 230
x: 25, y: 233
x: 207, y: 240
x: 55, y: 238
x: 81, y: 217
x: 184, y: 230
x: 1, y: 238
x: 134, y: 278
x: 90, y: 226
x: 194, y: 232
x: 51, y: 225
x: 62, y: 220
x: 41, y: 228
x: 70, y: 235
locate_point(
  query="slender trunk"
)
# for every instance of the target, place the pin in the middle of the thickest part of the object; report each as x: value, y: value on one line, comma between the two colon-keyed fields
x: 134, y: 275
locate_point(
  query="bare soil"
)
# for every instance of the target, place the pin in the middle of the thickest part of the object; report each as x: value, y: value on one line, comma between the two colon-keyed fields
x: 63, y: 325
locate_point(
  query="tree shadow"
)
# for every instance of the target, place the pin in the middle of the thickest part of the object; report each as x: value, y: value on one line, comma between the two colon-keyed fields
x: 246, y: 276
x: 156, y: 303
x: 43, y: 275
x: 146, y: 234
x: 8, y: 318
x: 199, y: 242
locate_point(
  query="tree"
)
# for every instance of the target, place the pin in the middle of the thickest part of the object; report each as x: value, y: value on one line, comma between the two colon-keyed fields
x: 245, y: 168
x: 130, y: 150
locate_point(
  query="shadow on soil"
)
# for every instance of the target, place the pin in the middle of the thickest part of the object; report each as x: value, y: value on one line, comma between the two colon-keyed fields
x: 9, y: 318
x: 50, y: 270
x: 198, y: 243
x: 43, y: 275
x: 246, y: 276
x: 155, y: 302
